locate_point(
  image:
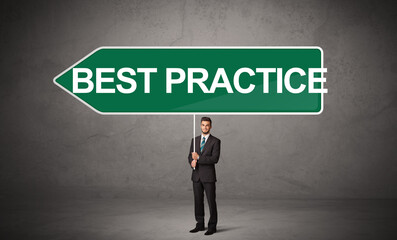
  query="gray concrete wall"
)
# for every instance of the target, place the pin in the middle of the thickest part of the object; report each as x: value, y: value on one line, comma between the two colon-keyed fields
x: 52, y: 143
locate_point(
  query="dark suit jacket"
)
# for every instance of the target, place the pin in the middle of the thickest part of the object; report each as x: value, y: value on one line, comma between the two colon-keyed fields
x: 205, y: 167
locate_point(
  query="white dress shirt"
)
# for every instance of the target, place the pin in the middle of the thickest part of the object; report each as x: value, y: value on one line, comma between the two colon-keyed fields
x: 206, y: 138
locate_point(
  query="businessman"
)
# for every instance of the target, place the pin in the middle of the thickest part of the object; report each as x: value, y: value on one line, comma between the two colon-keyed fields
x: 202, y: 162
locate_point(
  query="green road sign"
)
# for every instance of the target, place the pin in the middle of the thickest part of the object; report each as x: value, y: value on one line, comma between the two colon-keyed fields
x: 186, y: 80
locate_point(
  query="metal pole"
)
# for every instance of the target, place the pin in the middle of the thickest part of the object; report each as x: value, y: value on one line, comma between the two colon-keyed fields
x: 194, y: 134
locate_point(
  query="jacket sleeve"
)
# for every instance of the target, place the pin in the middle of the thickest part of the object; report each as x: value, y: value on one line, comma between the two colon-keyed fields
x: 215, y: 153
x: 189, y: 157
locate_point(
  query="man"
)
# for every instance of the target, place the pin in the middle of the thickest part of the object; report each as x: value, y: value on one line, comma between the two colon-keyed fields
x: 202, y: 162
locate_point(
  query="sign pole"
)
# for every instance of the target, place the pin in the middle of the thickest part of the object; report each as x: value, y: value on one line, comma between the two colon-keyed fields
x: 194, y: 134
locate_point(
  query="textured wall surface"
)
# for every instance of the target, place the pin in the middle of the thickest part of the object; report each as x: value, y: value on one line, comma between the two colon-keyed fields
x: 53, y: 144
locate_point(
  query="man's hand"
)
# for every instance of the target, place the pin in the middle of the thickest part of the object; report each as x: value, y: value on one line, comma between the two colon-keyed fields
x: 195, y: 155
x: 194, y: 163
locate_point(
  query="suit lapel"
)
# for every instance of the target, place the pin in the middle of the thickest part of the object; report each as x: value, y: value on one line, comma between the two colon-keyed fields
x: 198, y: 144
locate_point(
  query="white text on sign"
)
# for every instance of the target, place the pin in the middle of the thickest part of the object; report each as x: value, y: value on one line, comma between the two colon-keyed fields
x: 88, y: 83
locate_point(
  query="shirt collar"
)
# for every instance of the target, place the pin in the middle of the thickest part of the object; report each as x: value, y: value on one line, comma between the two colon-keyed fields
x: 206, y: 136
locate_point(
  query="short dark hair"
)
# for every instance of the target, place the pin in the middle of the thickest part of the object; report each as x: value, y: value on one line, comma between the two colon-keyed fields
x: 207, y: 119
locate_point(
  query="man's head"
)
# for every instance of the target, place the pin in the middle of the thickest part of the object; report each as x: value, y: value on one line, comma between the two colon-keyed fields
x: 206, y: 125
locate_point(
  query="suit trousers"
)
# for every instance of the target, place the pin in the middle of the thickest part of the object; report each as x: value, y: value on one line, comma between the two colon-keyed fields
x: 198, y: 190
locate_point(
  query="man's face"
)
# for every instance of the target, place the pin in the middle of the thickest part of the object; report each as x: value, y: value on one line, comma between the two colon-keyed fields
x: 205, y: 127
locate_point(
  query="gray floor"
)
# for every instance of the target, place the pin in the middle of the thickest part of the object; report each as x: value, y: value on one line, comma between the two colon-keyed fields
x: 95, y: 219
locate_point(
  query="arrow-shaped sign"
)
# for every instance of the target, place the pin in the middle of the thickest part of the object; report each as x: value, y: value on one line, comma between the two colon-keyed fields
x: 186, y: 80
